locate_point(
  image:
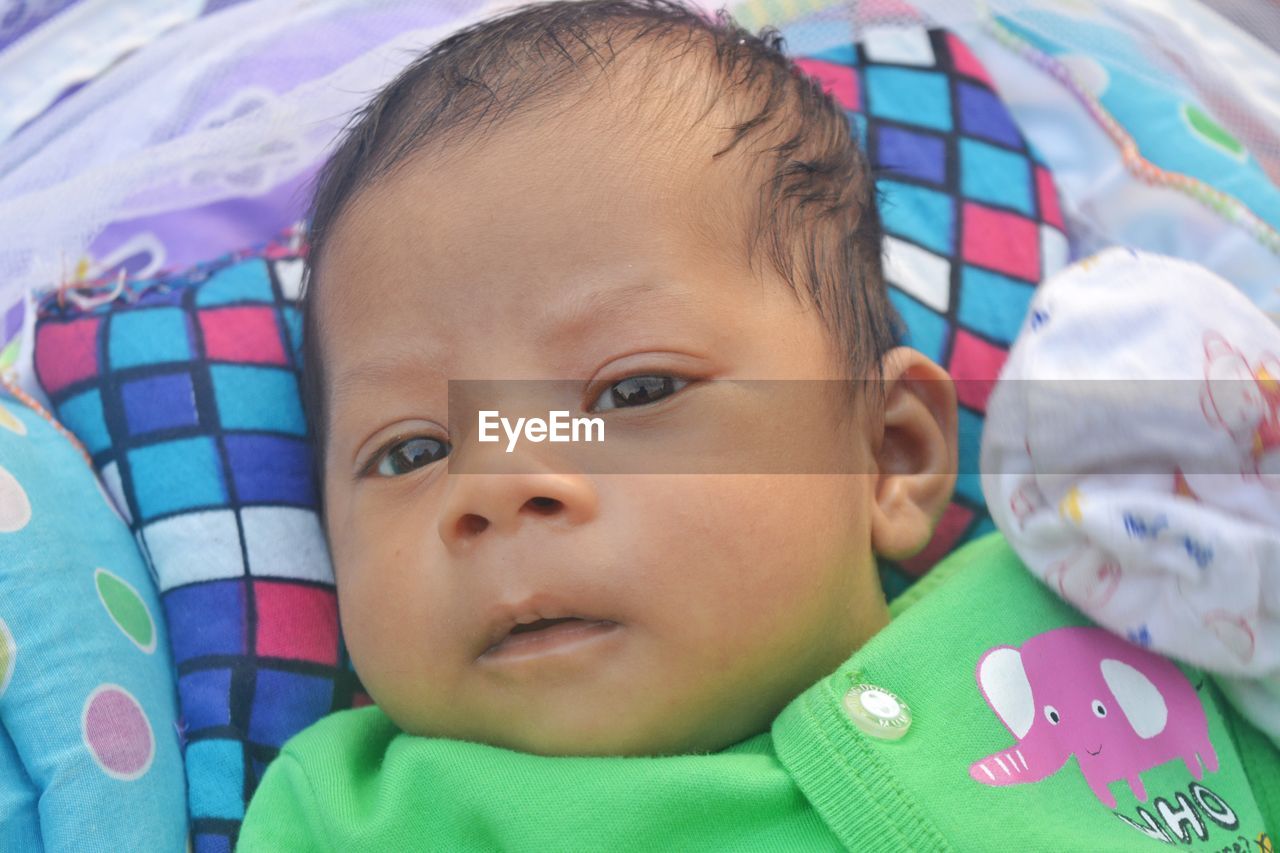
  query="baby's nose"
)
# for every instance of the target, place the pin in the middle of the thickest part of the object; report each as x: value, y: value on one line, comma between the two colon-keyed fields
x: 471, y: 524
x: 488, y: 504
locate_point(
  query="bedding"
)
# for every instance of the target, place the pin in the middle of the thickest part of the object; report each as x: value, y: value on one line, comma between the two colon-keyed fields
x: 198, y: 143
x: 1166, y: 137
x: 89, y: 746
x: 1158, y: 120
x: 83, y: 193
x: 1113, y: 159
x: 49, y: 48
x: 185, y: 394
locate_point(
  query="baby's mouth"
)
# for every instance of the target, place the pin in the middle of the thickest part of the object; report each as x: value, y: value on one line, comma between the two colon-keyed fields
x: 544, y: 634
x: 544, y: 624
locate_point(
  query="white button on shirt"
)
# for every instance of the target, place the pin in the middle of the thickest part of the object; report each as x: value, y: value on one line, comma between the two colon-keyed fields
x: 877, y: 712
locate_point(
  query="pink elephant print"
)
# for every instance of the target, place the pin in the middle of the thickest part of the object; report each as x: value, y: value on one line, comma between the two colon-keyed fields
x: 1119, y: 709
x: 1244, y: 399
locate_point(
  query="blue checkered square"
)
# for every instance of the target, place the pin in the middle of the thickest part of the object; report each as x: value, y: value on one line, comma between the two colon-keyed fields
x: 215, y: 774
x: 173, y: 476
x: 983, y: 114
x: 206, y: 696
x: 909, y: 95
x: 295, y: 700
x: 293, y: 327
x: 922, y: 215
x: 968, y: 481
x: 218, y: 607
x: 268, y: 469
x: 996, y: 175
x: 150, y: 336
x: 163, y: 401
x: 993, y: 304
x: 926, y: 329
x: 208, y: 843
x: 257, y: 398
x: 247, y: 281
x: 916, y: 155
x: 82, y: 414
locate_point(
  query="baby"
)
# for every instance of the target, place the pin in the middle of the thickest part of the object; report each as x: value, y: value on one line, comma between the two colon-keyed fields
x: 661, y: 215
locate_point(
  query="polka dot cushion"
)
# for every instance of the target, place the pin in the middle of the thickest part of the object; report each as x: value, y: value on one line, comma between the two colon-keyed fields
x: 185, y: 392
x: 89, y: 748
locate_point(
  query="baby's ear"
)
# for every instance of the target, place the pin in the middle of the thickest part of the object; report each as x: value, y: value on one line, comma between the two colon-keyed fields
x: 916, y: 455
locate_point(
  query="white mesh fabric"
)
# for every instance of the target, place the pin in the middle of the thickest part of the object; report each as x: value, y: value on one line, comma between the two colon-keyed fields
x: 179, y: 124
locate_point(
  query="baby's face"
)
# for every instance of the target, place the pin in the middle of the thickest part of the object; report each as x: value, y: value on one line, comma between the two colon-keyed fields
x: 697, y: 606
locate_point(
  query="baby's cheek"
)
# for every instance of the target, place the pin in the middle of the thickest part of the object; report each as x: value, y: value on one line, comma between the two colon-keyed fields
x: 808, y: 541
x: 370, y: 601
x: 732, y: 548
x: 360, y: 620
x: 375, y: 625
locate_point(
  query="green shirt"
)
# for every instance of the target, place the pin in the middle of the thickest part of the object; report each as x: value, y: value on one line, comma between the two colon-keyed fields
x: 957, y: 777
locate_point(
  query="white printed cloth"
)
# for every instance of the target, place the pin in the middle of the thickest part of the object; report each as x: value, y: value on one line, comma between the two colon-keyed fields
x: 1131, y: 456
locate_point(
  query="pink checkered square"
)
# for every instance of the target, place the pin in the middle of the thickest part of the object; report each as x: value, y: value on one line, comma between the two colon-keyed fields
x: 975, y: 366
x: 246, y: 334
x: 297, y: 622
x: 839, y: 81
x: 965, y: 62
x: 66, y: 353
x: 1004, y: 242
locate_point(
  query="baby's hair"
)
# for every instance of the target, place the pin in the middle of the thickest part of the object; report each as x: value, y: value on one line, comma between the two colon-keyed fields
x: 814, y: 209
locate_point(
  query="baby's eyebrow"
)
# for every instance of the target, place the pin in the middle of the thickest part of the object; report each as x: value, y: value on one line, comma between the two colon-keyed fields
x: 574, y: 317
x: 566, y: 321
x: 383, y: 369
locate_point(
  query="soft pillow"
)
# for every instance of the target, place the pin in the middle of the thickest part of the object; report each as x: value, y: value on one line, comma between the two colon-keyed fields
x: 89, y: 747
x: 971, y: 218
x: 186, y: 394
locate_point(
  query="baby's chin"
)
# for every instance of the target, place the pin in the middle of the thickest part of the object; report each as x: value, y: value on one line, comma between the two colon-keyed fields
x: 657, y: 705
x: 578, y: 734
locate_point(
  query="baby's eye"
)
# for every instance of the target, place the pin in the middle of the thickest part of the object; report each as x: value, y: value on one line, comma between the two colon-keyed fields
x: 410, y: 454
x: 638, y: 391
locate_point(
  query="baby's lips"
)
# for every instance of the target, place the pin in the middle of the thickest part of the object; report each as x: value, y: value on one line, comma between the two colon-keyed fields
x: 547, y: 632
x: 506, y: 618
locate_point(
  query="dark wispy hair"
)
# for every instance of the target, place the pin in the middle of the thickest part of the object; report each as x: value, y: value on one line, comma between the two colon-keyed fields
x: 814, y: 211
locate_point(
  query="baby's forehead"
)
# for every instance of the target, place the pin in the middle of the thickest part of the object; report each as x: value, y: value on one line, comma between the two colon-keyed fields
x: 609, y: 137
x: 524, y: 201
x: 681, y: 111
x: 639, y: 88
x: 662, y: 115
